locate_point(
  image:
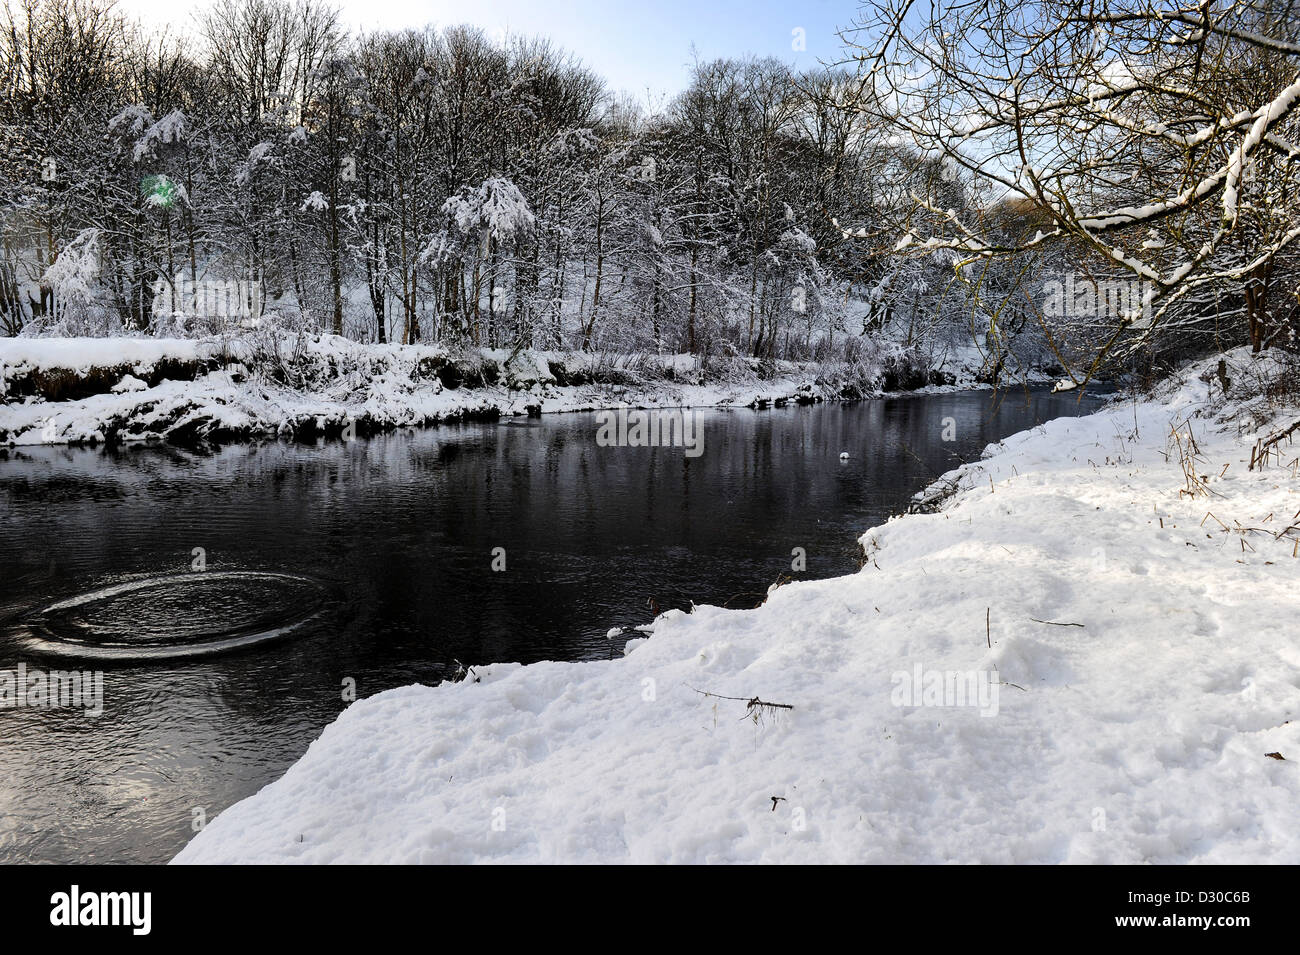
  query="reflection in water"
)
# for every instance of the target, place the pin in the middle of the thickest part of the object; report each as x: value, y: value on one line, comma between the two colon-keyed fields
x: 402, y: 528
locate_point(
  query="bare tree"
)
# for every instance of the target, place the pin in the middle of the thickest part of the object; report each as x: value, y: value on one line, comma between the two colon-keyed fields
x: 1158, y: 139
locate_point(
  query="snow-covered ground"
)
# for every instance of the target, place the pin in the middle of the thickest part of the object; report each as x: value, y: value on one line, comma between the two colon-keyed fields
x: 58, y: 391
x: 1139, y: 663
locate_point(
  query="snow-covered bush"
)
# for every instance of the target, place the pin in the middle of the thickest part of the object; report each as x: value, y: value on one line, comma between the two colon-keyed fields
x: 81, y: 305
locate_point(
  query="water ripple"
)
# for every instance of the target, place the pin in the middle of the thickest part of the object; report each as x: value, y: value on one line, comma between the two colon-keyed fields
x: 178, y: 615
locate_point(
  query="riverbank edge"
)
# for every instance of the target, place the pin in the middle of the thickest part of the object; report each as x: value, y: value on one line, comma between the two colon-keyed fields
x: 195, y: 392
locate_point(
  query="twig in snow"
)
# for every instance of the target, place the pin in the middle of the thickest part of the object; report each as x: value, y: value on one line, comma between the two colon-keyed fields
x: 754, y: 707
x: 462, y: 673
x: 1053, y: 623
x: 1189, y: 455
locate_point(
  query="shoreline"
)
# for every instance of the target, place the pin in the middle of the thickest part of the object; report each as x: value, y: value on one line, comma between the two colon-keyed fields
x: 1135, y: 717
x: 192, y: 392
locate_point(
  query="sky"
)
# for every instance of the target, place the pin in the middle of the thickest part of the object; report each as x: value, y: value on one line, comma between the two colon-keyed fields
x: 639, y: 46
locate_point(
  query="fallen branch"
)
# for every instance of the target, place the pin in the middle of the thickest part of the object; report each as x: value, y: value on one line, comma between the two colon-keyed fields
x: 1259, y: 454
x: 754, y: 707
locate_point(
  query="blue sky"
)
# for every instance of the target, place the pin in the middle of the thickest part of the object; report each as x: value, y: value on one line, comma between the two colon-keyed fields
x: 638, y: 45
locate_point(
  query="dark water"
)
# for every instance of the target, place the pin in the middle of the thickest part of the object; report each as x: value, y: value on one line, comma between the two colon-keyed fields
x: 377, y: 556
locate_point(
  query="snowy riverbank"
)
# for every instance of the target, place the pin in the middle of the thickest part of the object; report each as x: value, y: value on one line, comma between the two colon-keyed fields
x: 1140, y: 665
x: 97, y: 390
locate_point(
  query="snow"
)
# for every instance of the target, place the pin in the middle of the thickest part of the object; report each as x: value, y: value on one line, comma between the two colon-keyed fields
x: 75, y: 272
x: 798, y: 241
x: 131, y: 119
x: 83, y: 354
x: 525, y: 368
x: 130, y: 383
x: 1277, y: 109
x: 1136, y: 669
x: 170, y: 129
x: 315, y: 202
x: 496, y: 205
x: 337, y: 381
x: 259, y: 153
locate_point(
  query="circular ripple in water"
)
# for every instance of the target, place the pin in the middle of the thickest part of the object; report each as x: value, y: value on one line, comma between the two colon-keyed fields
x: 176, y: 616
